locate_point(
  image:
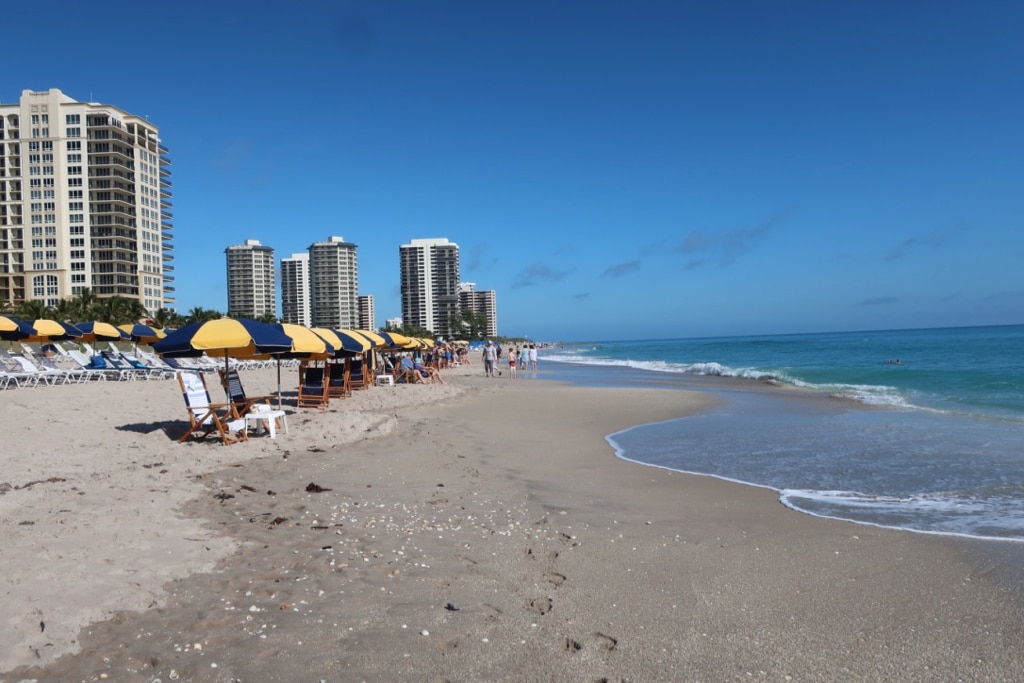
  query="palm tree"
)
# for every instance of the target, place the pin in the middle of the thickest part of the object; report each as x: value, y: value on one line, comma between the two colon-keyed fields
x: 200, y: 314
x: 87, y: 302
x: 33, y: 309
x: 135, y: 311
x: 165, y: 317
x: 68, y: 311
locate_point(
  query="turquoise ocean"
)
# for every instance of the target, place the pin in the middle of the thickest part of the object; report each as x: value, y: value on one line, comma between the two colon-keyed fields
x: 921, y: 430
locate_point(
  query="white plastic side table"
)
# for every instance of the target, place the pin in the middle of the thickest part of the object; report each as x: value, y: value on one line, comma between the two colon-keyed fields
x: 270, y: 417
x: 385, y: 379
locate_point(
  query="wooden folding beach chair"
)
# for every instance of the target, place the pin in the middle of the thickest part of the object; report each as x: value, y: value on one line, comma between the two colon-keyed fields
x: 356, y: 373
x: 206, y: 417
x: 313, y: 387
x: 338, y: 380
x: 232, y: 384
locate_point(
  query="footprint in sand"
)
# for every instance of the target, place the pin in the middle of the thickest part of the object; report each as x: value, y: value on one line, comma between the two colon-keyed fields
x: 540, y: 606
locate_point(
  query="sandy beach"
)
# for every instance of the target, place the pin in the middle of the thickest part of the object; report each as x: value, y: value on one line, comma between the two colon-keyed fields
x: 480, y: 530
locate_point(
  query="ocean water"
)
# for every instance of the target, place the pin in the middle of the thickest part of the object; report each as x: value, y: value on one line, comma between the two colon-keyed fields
x: 921, y: 430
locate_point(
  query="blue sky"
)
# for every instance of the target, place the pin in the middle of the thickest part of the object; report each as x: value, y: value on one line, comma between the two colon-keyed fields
x: 613, y: 170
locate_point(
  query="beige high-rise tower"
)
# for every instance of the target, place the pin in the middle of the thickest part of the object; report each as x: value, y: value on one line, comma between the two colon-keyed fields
x: 429, y: 271
x: 252, y: 286
x: 84, y: 203
x: 334, y: 283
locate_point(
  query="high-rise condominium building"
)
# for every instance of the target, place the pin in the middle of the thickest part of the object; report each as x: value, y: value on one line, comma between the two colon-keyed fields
x: 252, y: 287
x: 334, y: 283
x: 295, y: 300
x: 367, y: 313
x: 84, y: 203
x: 430, y: 284
x: 483, y: 301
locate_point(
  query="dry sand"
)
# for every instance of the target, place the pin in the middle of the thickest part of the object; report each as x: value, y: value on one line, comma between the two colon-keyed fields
x: 477, y: 531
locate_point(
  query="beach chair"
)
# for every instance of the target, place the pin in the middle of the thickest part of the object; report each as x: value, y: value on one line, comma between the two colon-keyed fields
x: 313, y: 387
x: 206, y: 417
x: 13, y: 372
x: 95, y: 369
x: 232, y: 384
x: 148, y: 370
x: 71, y: 376
x: 338, y: 380
x: 30, y: 369
x: 357, y: 377
x: 10, y: 377
x: 122, y: 366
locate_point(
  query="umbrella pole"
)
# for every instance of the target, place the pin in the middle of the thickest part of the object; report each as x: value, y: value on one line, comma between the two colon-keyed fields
x: 279, y: 382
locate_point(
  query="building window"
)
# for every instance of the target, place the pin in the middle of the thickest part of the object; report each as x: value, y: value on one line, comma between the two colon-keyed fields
x: 72, y: 119
x: 74, y: 132
x: 74, y: 145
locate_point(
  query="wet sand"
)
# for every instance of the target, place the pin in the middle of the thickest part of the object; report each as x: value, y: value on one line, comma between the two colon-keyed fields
x: 481, y: 530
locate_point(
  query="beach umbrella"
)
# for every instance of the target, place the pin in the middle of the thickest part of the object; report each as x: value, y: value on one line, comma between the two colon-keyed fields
x: 142, y: 334
x: 100, y: 331
x: 45, y: 330
x: 395, y: 341
x: 13, y: 329
x: 352, y: 341
x: 328, y: 336
x: 374, y: 338
x: 242, y: 337
x: 305, y: 344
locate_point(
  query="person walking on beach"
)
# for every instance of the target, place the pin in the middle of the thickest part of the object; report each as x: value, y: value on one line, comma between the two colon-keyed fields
x: 533, y: 357
x: 524, y: 357
x: 490, y: 359
x: 511, y: 363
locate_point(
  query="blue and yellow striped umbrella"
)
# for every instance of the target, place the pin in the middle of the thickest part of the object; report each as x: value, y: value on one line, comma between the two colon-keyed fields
x: 142, y: 334
x: 13, y: 329
x: 353, y: 342
x: 225, y: 337
x: 100, y: 331
x: 44, y: 330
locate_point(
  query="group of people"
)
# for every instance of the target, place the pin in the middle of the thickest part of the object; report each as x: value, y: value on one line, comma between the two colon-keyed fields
x: 522, y: 357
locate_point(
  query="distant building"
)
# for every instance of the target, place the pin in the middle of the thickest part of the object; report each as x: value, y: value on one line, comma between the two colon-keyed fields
x: 393, y: 323
x: 483, y: 301
x: 295, y: 295
x: 429, y: 271
x: 252, y: 287
x: 367, y: 313
x: 85, y: 202
x: 334, y: 283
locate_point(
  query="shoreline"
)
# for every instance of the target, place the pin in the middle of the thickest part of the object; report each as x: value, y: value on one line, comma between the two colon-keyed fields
x: 493, y: 515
